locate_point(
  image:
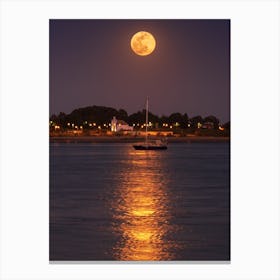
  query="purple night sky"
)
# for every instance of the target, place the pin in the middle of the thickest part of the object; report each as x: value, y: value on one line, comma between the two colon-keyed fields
x: 91, y: 63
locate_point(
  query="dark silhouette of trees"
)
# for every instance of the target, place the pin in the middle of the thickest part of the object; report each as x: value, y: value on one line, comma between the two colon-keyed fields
x: 60, y: 119
x: 185, y: 119
x: 227, y: 126
x: 122, y: 115
x: 195, y: 120
x: 152, y: 118
x: 96, y: 114
x: 163, y: 119
x: 178, y: 118
x: 54, y: 118
x: 136, y: 118
x: 103, y: 115
x: 214, y: 120
x: 140, y: 117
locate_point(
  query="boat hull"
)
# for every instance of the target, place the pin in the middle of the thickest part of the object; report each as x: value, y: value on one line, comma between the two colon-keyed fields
x: 143, y: 147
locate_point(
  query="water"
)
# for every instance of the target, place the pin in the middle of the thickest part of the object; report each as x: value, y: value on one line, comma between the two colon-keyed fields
x: 111, y: 202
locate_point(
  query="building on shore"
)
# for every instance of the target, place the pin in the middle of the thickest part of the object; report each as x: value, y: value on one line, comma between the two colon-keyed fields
x: 120, y: 125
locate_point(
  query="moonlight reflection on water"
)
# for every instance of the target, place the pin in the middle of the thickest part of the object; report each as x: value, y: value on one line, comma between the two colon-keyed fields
x: 141, y: 209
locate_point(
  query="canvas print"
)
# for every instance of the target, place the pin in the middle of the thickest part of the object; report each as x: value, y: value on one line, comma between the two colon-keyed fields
x: 139, y: 147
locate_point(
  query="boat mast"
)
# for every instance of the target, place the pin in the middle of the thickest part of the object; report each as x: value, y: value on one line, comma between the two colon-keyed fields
x: 146, y: 139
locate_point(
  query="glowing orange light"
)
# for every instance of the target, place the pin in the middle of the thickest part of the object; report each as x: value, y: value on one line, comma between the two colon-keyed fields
x: 142, y: 210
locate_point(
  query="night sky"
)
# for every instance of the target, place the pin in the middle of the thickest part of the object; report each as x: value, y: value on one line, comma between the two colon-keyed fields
x: 91, y: 63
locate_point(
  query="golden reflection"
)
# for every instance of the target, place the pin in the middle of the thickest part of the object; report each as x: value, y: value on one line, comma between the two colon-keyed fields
x: 140, y: 209
x: 142, y: 212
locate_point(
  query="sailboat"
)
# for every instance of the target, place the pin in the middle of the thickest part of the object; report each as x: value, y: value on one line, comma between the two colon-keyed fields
x: 149, y: 144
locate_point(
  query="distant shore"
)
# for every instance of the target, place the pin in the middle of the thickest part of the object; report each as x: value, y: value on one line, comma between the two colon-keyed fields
x: 132, y: 139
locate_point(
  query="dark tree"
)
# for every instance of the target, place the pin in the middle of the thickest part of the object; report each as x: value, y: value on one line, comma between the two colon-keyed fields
x: 122, y: 115
x: 163, y: 119
x: 226, y: 126
x: 61, y: 119
x: 54, y: 118
x: 195, y: 120
x: 176, y: 118
x: 213, y: 120
x: 96, y: 114
x: 182, y: 120
x: 152, y: 118
x: 139, y: 117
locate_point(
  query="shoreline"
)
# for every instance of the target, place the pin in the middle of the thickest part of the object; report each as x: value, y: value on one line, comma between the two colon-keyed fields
x: 127, y: 139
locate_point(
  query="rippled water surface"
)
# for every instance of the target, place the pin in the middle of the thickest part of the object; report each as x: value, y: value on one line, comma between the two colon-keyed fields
x: 111, y: 202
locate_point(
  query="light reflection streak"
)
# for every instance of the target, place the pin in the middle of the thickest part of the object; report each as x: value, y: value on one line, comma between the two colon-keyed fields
x: 140, y: 209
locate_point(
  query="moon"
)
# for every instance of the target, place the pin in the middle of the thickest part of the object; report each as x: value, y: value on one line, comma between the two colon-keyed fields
x: 143, y: 43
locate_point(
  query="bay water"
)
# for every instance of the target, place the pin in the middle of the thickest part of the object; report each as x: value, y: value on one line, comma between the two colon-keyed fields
x: 109, y: 202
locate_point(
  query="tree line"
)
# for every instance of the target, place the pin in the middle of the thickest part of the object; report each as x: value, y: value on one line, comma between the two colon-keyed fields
x: 103, y: 115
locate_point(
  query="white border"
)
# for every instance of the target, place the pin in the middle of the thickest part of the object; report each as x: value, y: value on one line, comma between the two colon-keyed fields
x: 255, y: 138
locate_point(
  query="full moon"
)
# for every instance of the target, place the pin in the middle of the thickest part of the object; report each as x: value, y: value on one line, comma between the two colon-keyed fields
x: 143, y: 43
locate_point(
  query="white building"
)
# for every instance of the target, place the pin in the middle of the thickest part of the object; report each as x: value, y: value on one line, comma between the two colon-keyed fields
x: 118, y: 125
